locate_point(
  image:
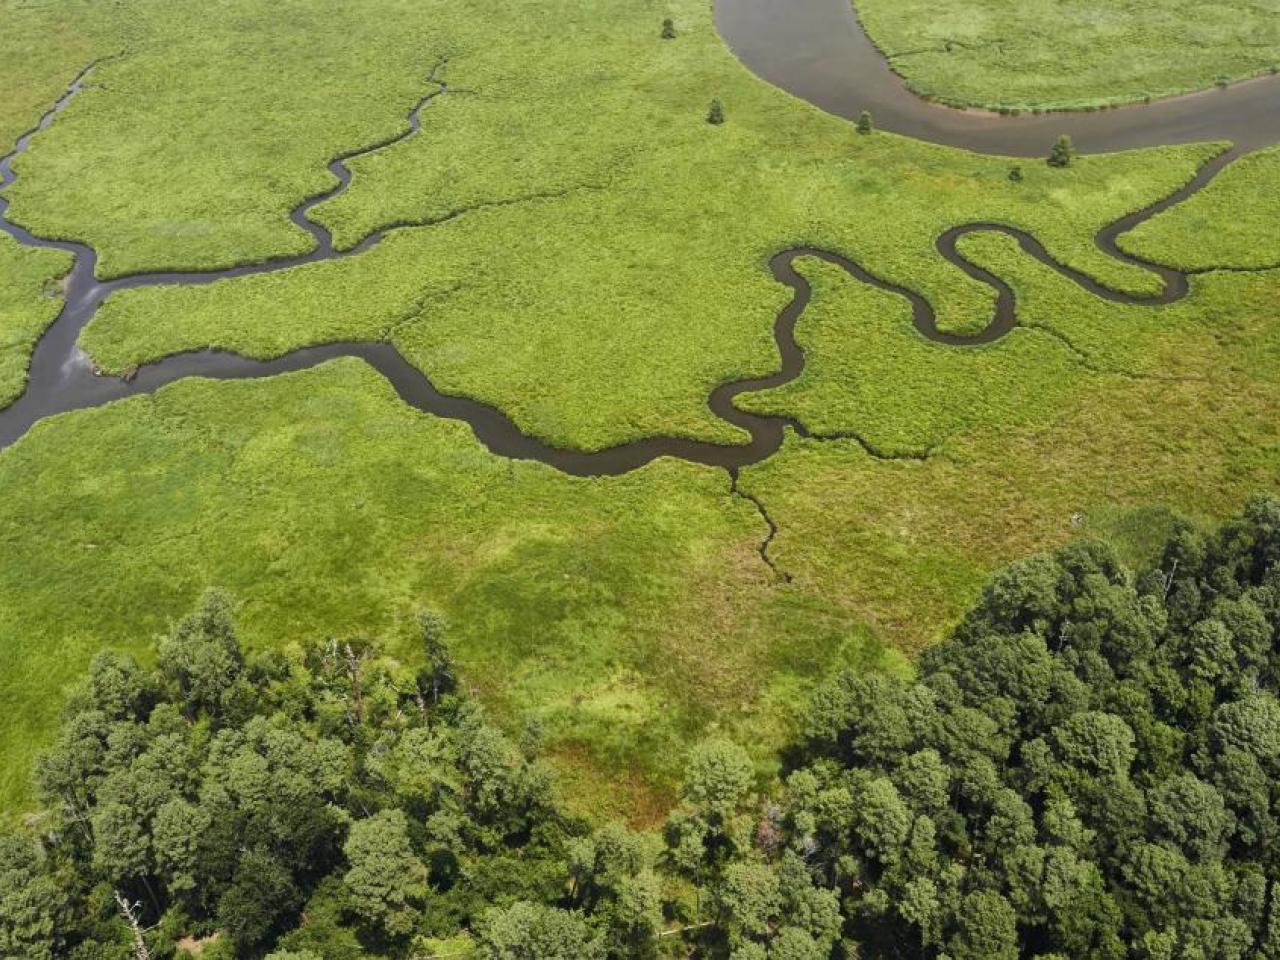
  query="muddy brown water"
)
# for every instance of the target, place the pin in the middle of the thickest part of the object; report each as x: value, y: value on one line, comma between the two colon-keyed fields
x: 814, y: 49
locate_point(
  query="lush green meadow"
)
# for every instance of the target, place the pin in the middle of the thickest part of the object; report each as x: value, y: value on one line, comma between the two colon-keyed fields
x: 28, y: 304
x: 1191, y: 428
x: 626, y: 614
x: 576, y: 246
x: 517, y: 305
x: 43, y: 46
x: 1051, y: 54
x: 1231, y: 223
x: 208, y: 123
x: 554, y: 266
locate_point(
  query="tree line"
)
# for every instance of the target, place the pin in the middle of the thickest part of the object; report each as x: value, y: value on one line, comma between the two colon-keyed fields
x: 1088, y: 767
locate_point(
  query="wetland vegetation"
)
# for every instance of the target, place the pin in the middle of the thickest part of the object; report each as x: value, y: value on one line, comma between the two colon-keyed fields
x: 1077, y: 54
x: 1084, y: 768
x: 580, y: 235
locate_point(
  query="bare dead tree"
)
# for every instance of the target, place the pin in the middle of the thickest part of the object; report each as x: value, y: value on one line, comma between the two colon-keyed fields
x: 1168, y: 579
x: 355, y: 673
x: 130, y: 913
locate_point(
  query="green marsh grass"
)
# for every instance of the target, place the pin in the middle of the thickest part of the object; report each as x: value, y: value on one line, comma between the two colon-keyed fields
x: 630, y: 615
x: 29, y: 302
x: 1071, y: 54
x: 597, y: 265
x: 1231, y: 223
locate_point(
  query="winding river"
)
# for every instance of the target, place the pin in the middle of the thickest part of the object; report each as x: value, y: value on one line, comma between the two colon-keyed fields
x: 814, y: 49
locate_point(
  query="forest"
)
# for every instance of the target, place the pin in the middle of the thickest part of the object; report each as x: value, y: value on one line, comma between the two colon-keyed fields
x: 1088, y: 766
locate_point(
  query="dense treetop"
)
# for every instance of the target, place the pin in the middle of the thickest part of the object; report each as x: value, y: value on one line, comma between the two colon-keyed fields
x: 1088, y: 768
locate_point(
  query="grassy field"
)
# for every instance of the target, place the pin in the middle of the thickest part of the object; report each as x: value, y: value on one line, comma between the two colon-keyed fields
x: 870, y: 374
x: 1232, y: 223
x: 28, y: 304
x: 1071, y: 54
x: 581, y: 249
x: 277, y: 89
x: 42, y: 46
x: 633, y: 614
x: 627, y: 614
x: 903, y: 545
x: 518, y: 307
x: 555, y: 266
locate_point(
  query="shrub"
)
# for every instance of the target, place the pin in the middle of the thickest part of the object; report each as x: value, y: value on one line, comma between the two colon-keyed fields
x: 1062, y: 153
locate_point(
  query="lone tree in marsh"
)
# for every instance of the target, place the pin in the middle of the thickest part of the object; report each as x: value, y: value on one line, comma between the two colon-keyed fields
x: 1063, y: 152
x: 864, y: 122
x: 668, y: 29
x: 1015, y: 174
x: 716, y: 114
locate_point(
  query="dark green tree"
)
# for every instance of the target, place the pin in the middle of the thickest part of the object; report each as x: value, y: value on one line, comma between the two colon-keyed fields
x: 529, y: 931
x: 1063, y: 152
x: 386, y: 880
x: 35, y: 908
x: 748, y: 898
x: 201, y: 656
x: 260, y: 900
x: 1087, y: 767
x: 440, y: 673
x: 986, y: 929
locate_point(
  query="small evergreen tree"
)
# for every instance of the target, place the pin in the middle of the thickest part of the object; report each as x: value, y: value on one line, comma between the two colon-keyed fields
x: 439, y: 674
x: 864, y: 122
x: 1063, y: 152
x: 668, y: 29
x: 716, y: 114
x: 1015, y: 174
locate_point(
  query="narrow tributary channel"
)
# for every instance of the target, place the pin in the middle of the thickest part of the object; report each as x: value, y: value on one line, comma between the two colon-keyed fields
x: 812, y: 48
